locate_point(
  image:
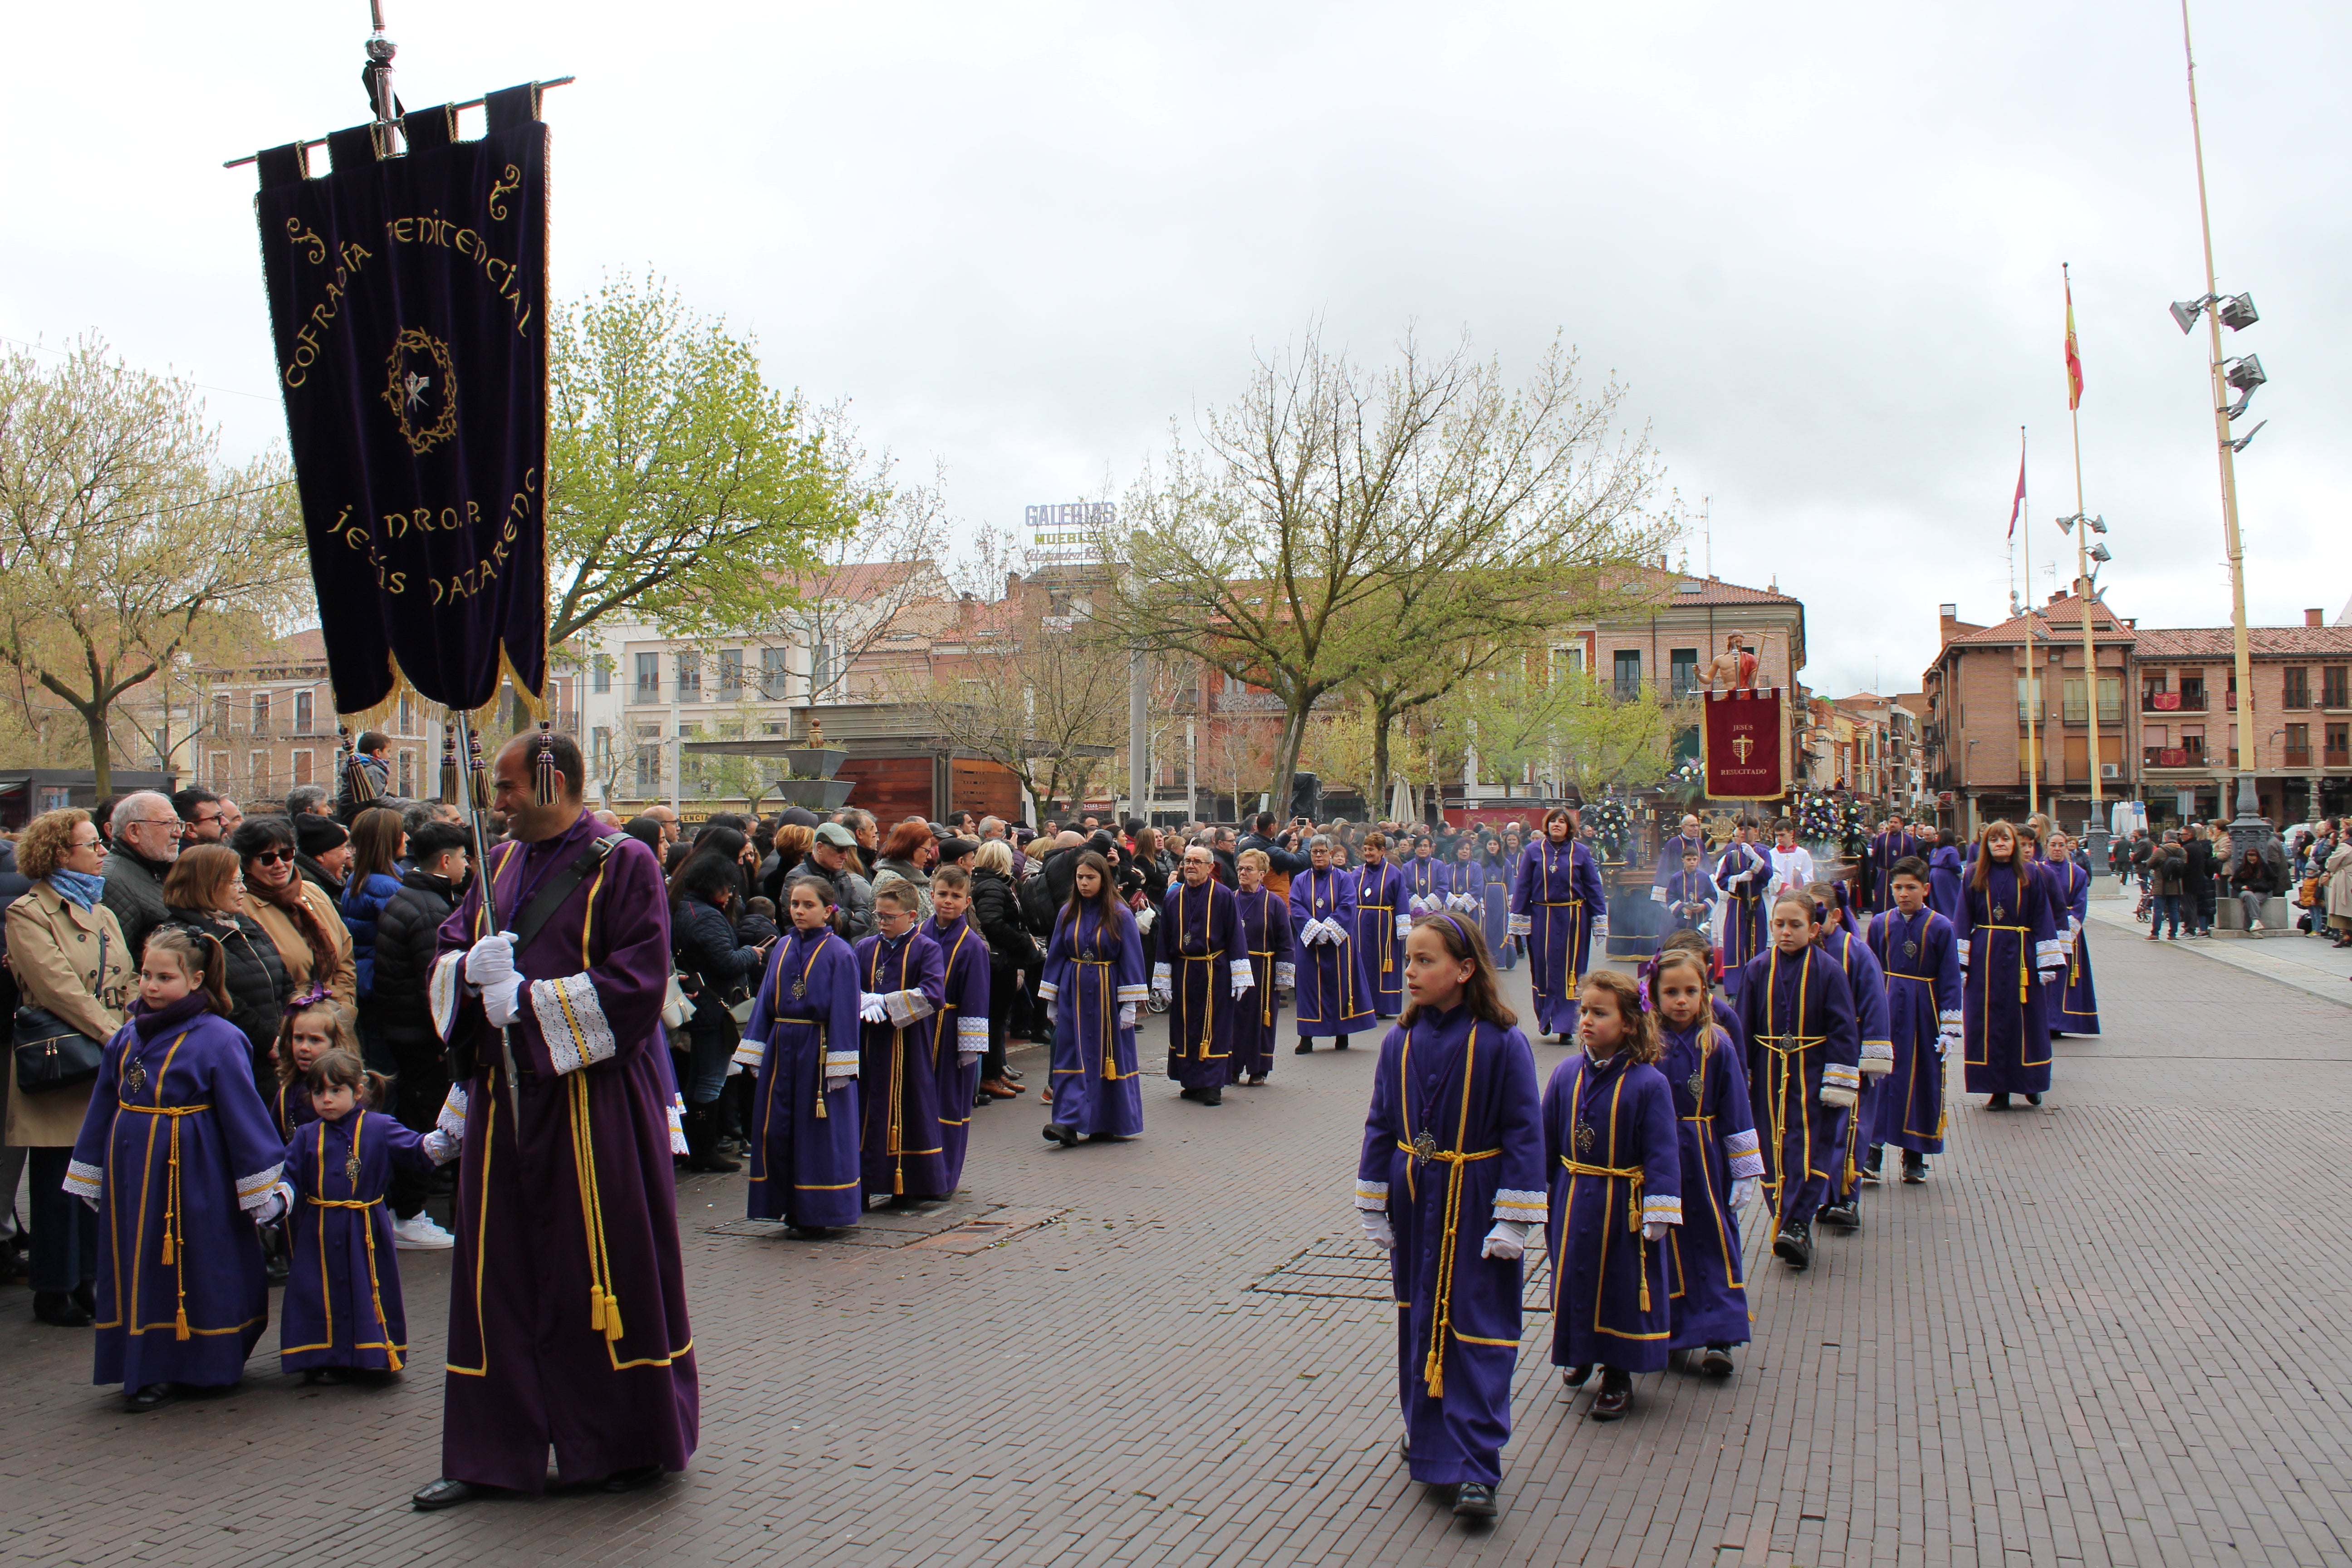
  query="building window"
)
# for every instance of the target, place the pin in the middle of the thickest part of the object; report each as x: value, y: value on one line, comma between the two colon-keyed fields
x: 2192, y: 693
x: 2111, y: 700
x: 1684, y: 662
x: 301, y: 768
x: 731, y: 674
x: 775, y: 670
x: 600, y: 674
x: 821, y: 670
x: 2192, y: 742
x: 303, y: 710
x: 648, y: 677
x: 2339, y: 741
x: 2332, y: 683
x: 2297, y: 687
x: 218, y: 772
x: 648, y: 762
x: 220, y: 722
x: 2033, y: 698
x: 1628, y: 662
x: 261, y: 713
x: 408, y: 775
x: 257, y: 768
x: 2298, y: 745
x: 690, y: 676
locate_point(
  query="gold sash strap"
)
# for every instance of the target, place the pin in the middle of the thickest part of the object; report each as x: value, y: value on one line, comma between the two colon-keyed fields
x: 176, y: 1241
x: 1632, y: 1174
x: 1432, y: 1370
x: 376, y: 1290
x: 1265, y: 992
x: 2024, y: 959
x: 1109, y: 1016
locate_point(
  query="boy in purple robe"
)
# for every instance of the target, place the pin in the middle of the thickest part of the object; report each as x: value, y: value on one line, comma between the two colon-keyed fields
x: 1092, y: 988
x: 568, y: 1326
x: 1687, y: 839
x: 178, y: 1157
x: 343, y: 1310
x: 960, y: 1037
x: 1426, y: 880
x: 1919, y: 954
x: 1691, y: 896
x: 802, y: 1044
x: 2011, y: 956
x: 1722, y: 1167
x: 1614, y: 1156
x: 2076, y: 1010
x: 1264, y: 918
x: 1449, y: 1181
x: 1334, y: 992
x: 1867, y: 981
x: 1803, y: 1069
x: 1558, y: 910
x: 903, y: 1150
x: 1380, y: 921
x: 1202, y: 970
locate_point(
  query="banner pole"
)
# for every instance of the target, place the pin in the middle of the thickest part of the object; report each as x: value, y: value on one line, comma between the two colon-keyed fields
x: 469, y: 741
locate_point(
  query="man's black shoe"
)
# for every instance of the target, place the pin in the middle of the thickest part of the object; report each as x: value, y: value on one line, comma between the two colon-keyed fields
x: 1303, y: 1047
x: 59, y: 1310
x: 1474, y: 1500
x: 2033, y: 1099
x: 1845, y: 1216
x: 1574, y: 1376
x: 1793, y: 1247
x: 1340, y: 1044
x: 1067, y: 1137
x: 154, y: 1396
x: 643, y: 1476
x: 1997, y: 1102
x: 443, y: 1493
x: 1188, y: 1094
x: 1211, y: 1097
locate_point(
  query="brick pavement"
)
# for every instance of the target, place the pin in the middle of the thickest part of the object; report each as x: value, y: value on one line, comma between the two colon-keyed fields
x: 2109, y: 1331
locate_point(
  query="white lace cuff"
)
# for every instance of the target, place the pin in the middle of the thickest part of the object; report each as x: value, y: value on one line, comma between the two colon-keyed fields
x: 1137, y: 995
x: 1658, y: 1208
x: 1950, y: 1020
x: 1521, y: 1206
x: 83, y: 1181
x: 971, y: 1036
x: 1520, y: 925
x: 572, y: 1022
x: 1742, y: 1156
x: 677, y: 1109
x: 1877, y: 1056
x: 252, y: 1190
x: 750, y: 1053
x: 1242, y: 972
x: 907, y: 1007
x: 442, y: 990
x: 1371, y: 1196
x: 452, y: 1117
x: 1285, y: 975
x: 1047, y: 990
x: 1838, y: 1075
x: 1963, y: 942
x: 1163, y: 977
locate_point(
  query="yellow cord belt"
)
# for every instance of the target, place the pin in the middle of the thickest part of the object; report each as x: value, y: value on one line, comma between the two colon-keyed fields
x: 1265, y: 991
x: 175, y: 1243
x: 1433, y: 1371
x: 376, y: 1290
x: 1633, y: 1175
x: 603, y: 1305
x: 2024, y: 959
x: 1110, y: 1016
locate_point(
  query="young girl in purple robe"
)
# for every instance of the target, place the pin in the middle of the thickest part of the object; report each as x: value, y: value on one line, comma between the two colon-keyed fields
x: 311, y: 1027
x: 1615, y: 1162
x: 2010, y: 958
x: 1721, y: 1165
x: 177, y: 1156
x: 802, y: 1044
x: 1449, y: 1182
x: 1093, y: 987
x: 342, y: 1312
x: 1497, y: 916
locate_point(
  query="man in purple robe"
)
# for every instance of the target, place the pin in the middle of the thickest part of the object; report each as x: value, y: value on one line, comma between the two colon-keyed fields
x: 1335, y: 994
x: 1379, y: 925
x: 1687, y: 840
x: 1891, y: 843
x: 1202, y: 968
x: 1920, y: 956
x: 568, y: 1324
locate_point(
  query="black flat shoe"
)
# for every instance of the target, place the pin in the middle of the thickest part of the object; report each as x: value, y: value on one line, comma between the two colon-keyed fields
x: 1067, y: 1137
x: 443, y: 1493
x: 1716, y: 1362
x: 1793, y: 1247
x: 2033, y: 1099
x: 1575, y: 1376
x: 1997, y: 1102
x: 1474, y: 1500
x: 1340, y: 1044
x: 59, y: 1310
x: 1611, y: 1405
x: 1188, y: 1094
x: 1211, y: 1097
x: 1304, y: 1047
x: 809, y: 1231
x: 154, y: 1396
x: 635, y: 1481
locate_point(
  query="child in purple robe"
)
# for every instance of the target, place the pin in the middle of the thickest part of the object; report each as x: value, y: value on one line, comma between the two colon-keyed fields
x: 1449, y: 1181
x: 1379, y: 922
x: 312, y: 1027
x: 1495, y: 873
x: 1919, y: 954
x: 1427, y: 880
x: 1867, y: 981
x: 961, y: 1036
x: 1466, y: 881
x: 1559, y: 910
x: 177, y: 1155
x: 2076, y: 1008
x: 904, y: 1148
x: 1721, y: 1165
x: 1093, y: 986
x: 1803, y: 1069
x: 2011, y: 957
x: 1265, y: 938
x: 343, y: 1311
x: 1691, y: 895
x: 801, y: 1044
x: 1615, y: 1160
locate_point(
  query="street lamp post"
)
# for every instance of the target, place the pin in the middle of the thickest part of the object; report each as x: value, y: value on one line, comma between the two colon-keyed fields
x: 2250, y: 828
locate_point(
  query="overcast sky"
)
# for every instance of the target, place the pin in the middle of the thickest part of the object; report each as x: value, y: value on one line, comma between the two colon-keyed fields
x: 1820, y: 245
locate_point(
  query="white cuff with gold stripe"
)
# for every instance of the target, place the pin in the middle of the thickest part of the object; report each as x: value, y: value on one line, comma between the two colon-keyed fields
x: 1661, y: 1208
x: 1521, y: 1206
x: 1371, y: 1196
x: 572, y: 1020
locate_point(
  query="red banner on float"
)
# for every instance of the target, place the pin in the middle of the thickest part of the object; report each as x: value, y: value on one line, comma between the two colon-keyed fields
x: 1740, y: 744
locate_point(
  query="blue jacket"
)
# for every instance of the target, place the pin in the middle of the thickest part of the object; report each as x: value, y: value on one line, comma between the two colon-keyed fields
x: 362, y: 905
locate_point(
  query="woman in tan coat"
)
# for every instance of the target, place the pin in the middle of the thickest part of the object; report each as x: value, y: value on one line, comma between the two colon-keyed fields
x: 2338, y: 892
x: 67, y: 951
x: 300, y: 917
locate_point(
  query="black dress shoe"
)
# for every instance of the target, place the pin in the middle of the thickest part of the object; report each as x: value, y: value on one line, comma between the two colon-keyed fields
x: 1574, y: 1376
x: 1610, y: 1404
x: 635, y: 1481
x: 443, y: 1493
x: 1340, y: 1044
x: 1304, y: 1047
x: 2033, y: 1099
x: 1845, y: 1216
x: 154, y: 1396
x: 1716, y: 1362
x: 1474, y: 1500
x: 1997, y: 1102
x: 1211, y: 1097
x: 809, y: 1231
x: 59, y: 1310
x: 1794, y: 1246
x: 1067, y: 1137
x: 1188, y: 1094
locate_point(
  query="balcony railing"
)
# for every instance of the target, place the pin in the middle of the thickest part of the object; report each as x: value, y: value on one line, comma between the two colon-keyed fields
x: 2172, y: 756
x: 2172, y: 703
x: 641, y: 692
x: 2337, y: 759
x: 2298, y: 759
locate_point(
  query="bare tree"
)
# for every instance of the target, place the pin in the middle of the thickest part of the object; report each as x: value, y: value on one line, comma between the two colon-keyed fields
x: 1336, y: 526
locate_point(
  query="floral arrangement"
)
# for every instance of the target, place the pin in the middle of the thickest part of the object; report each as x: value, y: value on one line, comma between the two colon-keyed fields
x: 1820, y: 817
x: 1609, y: 824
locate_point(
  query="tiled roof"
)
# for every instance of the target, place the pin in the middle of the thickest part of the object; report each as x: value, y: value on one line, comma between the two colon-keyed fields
x: 2060, y: 620
x: 1668, y: 587
x: 2219, y: 643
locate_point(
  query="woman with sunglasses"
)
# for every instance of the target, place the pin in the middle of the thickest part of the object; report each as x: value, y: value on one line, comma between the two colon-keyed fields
x: 300, y: 916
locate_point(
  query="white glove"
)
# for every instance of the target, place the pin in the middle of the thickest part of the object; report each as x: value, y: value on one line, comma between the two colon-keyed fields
x: 1243, y: 983
x: 1746, y: 1191
x: 1654, y: 1230
x: 1163, y: 992
x: 873, y: 1008
x: 1507, y: 1241
x: 490, y: 960
x: 834, y: 1085
x: 88, y: 1199
x: 1049, y: 1015
x: 1945, y: 1040
x: 273, y: 1206
x: 1403, y: 926
x: 1127, y: 1015
x: 1144, y: 918
x: 1377, y: 1230
x: 502, y: 999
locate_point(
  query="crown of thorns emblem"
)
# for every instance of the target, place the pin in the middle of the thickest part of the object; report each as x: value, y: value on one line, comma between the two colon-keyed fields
x: 425, y: 419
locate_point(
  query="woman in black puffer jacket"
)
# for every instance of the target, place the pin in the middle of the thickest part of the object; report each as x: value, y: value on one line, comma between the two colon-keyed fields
x: 714, y: 970
x: 1011, y: 951
x: 205, y: 890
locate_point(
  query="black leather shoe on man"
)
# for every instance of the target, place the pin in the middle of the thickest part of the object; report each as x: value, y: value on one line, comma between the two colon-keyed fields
x: 443, y: 1493
x: 1474, y: 1500
x: 1794, y: 1248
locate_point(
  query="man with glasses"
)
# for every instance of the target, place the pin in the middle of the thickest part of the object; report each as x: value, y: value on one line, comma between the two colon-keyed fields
x: 146, y: 833
x: 201, y: 818
x: 231, y: 818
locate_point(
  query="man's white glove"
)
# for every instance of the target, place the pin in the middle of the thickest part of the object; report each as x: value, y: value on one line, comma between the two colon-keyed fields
x: 502, y: 999
x: 1162, y: 989
x: 1507, y: 1241
x: 490, y: 960
x: 832, y: 1085
x: 1049, y: 1015
x: 1144, y: 918
x: 1654, y: 1230
x: 273, y: 1206
x: 1600, y: 929
x: 1947, y: 1038
x: 1243, y: 983
x: 1377, y: 1230
x: 1127, y: 1015
x: 873, y: 1008
x: 1403, y: 927
x: 1746, y: 1191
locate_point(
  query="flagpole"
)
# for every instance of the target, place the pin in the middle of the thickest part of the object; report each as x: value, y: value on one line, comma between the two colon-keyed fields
x: 2096, y: 827
x: 2033, y: 702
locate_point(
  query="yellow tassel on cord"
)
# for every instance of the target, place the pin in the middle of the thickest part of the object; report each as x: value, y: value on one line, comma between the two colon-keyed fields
x: 1434, y: 1374
x: 595, y: 1307
x: 180, y: 1324
x: 612, y: 1316
x: 167, y: 1247
x: 1645, y: 1274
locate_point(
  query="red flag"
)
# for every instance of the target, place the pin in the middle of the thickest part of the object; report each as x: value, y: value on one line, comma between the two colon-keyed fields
x: 2018, y: 500
x: 2073, y: 354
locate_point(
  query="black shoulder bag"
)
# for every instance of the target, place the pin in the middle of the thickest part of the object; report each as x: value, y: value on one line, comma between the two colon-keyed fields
x: 51, y: 1053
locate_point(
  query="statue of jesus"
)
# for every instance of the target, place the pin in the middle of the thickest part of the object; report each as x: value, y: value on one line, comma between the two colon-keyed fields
x: 1735, y: 666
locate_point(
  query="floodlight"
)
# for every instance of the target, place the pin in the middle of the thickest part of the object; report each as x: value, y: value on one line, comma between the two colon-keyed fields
x: 2185, y: 313
x: 2099, y: 552
x: 2240, y: 444
x: 2238, y: 311
x: 2066, y: 526
x: 2244, y: 375
x: 2098, y: 525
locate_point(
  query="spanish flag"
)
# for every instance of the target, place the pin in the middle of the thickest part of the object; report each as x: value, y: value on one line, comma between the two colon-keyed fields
x: 2073, y: 352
